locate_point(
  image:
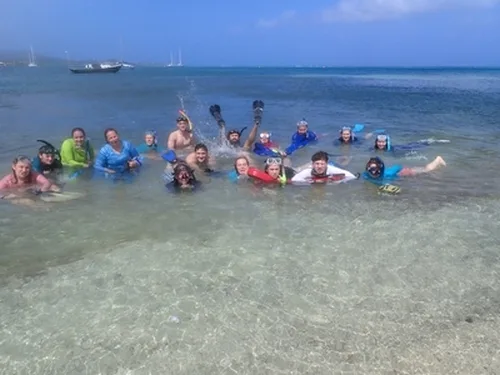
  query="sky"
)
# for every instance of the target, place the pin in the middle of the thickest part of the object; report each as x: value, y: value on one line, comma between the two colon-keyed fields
x: 259, y: 32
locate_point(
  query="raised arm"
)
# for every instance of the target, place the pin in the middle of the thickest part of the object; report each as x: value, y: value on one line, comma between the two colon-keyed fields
x: 251, y: 137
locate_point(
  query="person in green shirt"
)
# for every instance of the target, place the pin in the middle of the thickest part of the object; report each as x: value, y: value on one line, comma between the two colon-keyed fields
x: 77, y: 152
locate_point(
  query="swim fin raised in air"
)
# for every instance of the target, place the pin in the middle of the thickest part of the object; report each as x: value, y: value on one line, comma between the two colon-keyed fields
x: 215, y: 111
x: 258, y: 109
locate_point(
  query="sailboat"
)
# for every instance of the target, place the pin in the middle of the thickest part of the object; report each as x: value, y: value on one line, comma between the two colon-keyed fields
x: 180, y: 59
x: 171, y: 60
x: 32, y: 60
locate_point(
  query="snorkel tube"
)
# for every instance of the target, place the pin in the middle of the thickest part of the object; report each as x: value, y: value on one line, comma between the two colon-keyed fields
x: 56, y: 151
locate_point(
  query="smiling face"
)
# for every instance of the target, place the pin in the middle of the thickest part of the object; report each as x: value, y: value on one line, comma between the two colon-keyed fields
x: 241, y: 164
x: 346, y: 135
x: 201, y: 155
x: 78, y: 138
x: 112, y: 138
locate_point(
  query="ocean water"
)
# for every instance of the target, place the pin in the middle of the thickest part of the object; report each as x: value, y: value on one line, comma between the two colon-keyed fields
x: 303, y: 280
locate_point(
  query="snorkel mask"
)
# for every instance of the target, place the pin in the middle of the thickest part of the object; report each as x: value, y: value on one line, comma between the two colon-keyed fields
x: 184, y: 173
x: 375, y: 168
x: 382, y: 138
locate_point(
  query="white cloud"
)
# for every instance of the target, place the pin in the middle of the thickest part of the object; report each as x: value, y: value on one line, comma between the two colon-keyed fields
x: 374, y: 10
x: 283, y: 18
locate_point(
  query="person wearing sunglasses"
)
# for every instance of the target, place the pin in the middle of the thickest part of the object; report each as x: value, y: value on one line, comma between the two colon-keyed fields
x: 301, y: 138
x: 321, y: 170
x: 377, y: 173
x: 23, y: 177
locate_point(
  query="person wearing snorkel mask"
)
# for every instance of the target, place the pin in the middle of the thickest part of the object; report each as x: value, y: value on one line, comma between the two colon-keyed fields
x: 383, y: 143
x: 150, y: 148
x: 183, y: 179
x: 275, y: 168
x: 266, y: 147
x: 377, y: 173
x: 348, y: 137
x: 200, y: 160
x: 302, y: 137
x: 182, y: 138
x: 48, y: 161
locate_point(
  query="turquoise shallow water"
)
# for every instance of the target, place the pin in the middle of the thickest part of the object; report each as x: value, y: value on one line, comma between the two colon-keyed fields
x: 132, y: 280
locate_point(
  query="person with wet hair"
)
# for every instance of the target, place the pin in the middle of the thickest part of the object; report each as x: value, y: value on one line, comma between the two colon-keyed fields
x: 77, y: 152
x: 117, y: 156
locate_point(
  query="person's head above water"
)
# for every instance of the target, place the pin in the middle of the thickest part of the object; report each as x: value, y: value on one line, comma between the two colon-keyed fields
x: 182, y: 123
x: 241, y: 165
x: 21, y: 168
x: 375, y: 167
x: 319, y: 163
x: 183, y: 174
x: 274, y: 167
x: 150, y: 138
x: 47, y: 154
x: 382, y: 142
x: 201, y: 153
x: 78, y: 135
x: 346, y: 135
x: 265, y: 137
x: 302, y: 126
x: 111, y: 136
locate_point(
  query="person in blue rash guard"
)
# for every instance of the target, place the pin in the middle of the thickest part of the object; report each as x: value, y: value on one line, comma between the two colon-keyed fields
x: 301, y: 138
x: 149, y: 148
x: 266, y: 147
x: 377, y: 173
x: 117, y: 156
x: 240, y: 171
x: 383, y: 143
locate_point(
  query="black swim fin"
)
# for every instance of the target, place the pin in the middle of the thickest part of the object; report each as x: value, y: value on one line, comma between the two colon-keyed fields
x: 215, y: 111
x: 258, y: 108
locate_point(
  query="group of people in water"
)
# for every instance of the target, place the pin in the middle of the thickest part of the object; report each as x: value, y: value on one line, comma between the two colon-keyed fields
x: 188, y: 161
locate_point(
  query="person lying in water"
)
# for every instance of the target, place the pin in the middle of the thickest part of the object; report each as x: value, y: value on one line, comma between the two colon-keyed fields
x: 150, y: 148
x: 278, y: 171
x: 23, y: 178
x: 320, y: 171
x: 301, y: 138
x: 183, y: 179
x: 383, y: 143
x: 182, y: 138
x: 377, y: 173
x: 200, y: 160
x: 347, y: 137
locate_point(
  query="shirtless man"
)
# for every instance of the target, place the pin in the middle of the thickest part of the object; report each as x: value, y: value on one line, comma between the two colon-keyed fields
x: 200, y: 160
x: 182, y: 138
